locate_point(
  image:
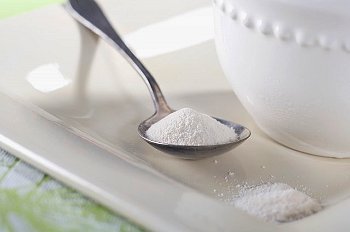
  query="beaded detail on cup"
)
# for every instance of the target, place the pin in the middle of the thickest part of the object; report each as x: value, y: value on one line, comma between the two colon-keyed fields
x: 278, y: 30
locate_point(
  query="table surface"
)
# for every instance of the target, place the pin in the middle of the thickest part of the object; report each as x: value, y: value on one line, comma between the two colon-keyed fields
x: 30, y: 200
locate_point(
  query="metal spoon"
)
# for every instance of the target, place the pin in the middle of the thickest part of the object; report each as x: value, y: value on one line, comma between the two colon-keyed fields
x: 88, y: 13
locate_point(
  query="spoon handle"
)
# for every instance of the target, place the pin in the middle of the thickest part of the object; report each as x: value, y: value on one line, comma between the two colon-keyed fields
x: 88, y: 13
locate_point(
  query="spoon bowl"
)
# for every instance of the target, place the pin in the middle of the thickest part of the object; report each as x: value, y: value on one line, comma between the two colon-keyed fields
x: 89, y: 14
x: 193, y: 152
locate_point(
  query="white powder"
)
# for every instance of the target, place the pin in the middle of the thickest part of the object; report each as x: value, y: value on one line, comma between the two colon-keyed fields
x: 188, y: 127
x: 276, y: 202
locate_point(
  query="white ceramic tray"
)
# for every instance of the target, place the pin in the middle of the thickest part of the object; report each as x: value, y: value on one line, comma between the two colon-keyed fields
x: 75, y: 114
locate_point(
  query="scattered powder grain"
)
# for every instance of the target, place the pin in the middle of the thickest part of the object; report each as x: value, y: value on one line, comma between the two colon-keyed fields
x: 188, y: 127
x: 276, y: 202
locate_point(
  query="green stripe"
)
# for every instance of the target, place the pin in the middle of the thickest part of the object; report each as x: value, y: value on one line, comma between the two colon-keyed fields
x: 13, y: 7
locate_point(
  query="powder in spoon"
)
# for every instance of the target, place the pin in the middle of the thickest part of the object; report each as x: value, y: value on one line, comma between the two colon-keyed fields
x: 276, y: 202
x: 188, y: 127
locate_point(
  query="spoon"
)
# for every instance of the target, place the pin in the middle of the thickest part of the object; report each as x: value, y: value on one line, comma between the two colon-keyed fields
x: 88, y: 13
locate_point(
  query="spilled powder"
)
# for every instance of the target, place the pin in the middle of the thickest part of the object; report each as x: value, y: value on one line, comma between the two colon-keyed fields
x: 191, y: 128
x: 276, y: 202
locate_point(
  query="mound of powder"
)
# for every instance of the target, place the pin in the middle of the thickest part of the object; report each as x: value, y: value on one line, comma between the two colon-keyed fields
x: 276, y: 202
x: 188, y: 127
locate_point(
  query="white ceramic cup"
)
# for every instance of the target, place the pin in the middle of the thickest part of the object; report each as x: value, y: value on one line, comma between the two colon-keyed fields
x: 289, y: 65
